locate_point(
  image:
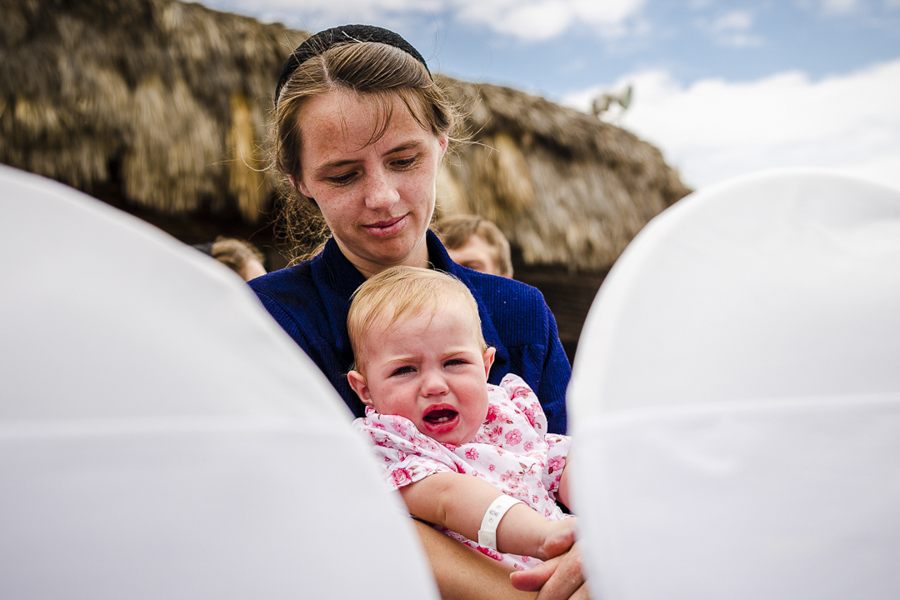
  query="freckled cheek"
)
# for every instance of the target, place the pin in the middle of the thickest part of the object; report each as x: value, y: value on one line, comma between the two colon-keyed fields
x: 421, y: 185
x: 411, y: 192
x: 338, y: 212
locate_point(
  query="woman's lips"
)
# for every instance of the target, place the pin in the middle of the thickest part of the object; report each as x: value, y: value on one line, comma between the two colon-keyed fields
x: 386, y: 228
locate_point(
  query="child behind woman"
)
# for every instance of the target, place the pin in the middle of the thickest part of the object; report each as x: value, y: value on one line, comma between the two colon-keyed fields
x: 464, y: 454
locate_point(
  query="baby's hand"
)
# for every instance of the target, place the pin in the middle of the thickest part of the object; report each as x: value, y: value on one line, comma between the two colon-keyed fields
x: 558, y: 538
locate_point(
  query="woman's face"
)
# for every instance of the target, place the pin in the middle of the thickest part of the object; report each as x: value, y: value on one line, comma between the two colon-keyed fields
x: 377, y: 198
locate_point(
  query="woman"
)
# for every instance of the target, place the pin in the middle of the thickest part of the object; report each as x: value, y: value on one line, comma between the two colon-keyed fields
x: 360, y: 131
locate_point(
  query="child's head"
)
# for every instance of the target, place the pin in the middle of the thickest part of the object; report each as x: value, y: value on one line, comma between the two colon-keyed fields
x: 241, y: 257
x: 476, y: 243
x: 420, y: 353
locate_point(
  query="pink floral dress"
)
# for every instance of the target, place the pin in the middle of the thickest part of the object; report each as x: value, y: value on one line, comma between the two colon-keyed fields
x: 512, y: 451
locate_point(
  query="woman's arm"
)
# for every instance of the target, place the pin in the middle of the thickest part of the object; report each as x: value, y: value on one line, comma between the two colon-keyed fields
x: 463, y: 573
x: 459, y: 502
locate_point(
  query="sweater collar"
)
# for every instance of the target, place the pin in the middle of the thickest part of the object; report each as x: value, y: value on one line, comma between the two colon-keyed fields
x: 340, y: 273
x: 345, y: 278
x: 441, y: 261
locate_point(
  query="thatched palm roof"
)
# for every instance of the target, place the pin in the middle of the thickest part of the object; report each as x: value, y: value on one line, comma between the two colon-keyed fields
x: 565, y: 187
x: 170, y: 97
x: 170, y: 100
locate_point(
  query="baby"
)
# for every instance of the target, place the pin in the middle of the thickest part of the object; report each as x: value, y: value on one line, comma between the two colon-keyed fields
x: 472, y: 458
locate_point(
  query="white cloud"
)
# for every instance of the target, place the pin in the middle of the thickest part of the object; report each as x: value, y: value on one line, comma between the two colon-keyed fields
x: 314, y: 15
x: 740, y: 40
x: 545, y: 19
x: 523, y: 19
x: 714, y: 130
x: 732, y: 29
x: 740, y: 20
x: 840, y: 7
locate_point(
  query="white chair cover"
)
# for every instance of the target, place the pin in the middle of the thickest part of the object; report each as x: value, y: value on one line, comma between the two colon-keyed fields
x: 161, y: 436
x: 735, y: 403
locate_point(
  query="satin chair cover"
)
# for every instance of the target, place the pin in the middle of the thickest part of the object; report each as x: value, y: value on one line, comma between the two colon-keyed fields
x: 735, y: 402
x: 161, y: 436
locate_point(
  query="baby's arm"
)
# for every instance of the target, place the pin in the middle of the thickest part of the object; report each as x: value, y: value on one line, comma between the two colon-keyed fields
x: 458, y: 502
x: 562, y: 493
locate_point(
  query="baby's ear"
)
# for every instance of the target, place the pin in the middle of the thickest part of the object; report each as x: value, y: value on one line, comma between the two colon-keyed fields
x: 358, y: 383
x: 489, y: 360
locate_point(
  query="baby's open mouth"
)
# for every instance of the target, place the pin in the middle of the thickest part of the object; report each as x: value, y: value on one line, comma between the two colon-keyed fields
x: 440, y: 416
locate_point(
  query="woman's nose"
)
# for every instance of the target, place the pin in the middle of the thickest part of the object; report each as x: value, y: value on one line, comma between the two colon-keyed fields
x: 381, y: 193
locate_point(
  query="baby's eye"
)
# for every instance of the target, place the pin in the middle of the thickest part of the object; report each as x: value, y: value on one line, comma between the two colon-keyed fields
x: 402, y: 371
x: 455, y: 362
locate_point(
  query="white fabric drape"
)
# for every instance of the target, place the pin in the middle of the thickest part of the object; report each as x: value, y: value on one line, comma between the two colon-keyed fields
x: 735, y: 403
x: 161, y: 436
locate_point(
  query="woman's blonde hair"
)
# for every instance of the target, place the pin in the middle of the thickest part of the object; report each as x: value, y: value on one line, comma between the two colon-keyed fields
x: 403, y: 292
x: 378, y: 73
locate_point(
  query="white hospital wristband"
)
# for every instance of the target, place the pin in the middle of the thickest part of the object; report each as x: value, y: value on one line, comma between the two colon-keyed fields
x: 487, y: 535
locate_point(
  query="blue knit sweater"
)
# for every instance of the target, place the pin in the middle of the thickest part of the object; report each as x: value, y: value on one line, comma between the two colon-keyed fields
x: 310, y: 301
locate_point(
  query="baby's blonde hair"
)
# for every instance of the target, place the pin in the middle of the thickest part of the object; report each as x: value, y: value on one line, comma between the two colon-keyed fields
x: 401, y: 292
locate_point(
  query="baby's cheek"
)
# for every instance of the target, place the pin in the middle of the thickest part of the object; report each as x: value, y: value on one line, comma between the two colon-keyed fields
x: 482, y: 412
x: 393, y: 403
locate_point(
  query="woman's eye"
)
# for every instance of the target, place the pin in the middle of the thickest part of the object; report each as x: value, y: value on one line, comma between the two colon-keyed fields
x: 405, y: 163
x: 341, y: 179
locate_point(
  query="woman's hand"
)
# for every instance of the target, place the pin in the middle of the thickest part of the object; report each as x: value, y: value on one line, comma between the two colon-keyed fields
x: 559, y: 578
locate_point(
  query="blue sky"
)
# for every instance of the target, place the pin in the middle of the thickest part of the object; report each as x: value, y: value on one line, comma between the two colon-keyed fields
x: 722, y: 87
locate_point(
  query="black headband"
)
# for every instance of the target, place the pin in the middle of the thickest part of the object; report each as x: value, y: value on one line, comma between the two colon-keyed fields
x: 346, y: 34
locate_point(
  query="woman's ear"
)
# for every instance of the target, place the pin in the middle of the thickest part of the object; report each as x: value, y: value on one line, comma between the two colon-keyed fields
x: 489, y: 360
x: 359, y: 385
x: 298, y: 185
